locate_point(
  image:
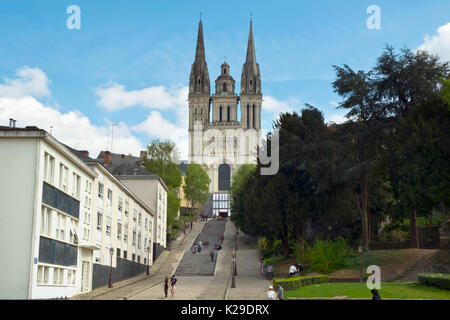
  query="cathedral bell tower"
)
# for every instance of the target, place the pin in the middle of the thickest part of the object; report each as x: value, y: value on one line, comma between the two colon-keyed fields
x: 251, y: 96
x: 199, y: 85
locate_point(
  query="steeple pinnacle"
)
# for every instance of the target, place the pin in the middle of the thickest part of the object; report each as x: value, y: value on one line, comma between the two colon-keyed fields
x: 251, y: 78
x: 199, y: 78
x: 200, y: 49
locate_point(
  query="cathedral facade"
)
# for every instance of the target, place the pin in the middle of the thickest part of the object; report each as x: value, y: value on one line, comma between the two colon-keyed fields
x: 224, y: 127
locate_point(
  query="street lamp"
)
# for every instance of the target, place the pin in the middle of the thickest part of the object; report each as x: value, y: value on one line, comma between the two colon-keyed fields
x: 148, y: 259
x: 111, y: 253
x: 360, y: 250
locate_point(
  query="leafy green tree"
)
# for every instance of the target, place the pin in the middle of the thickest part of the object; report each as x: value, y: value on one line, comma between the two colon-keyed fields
x: 415, y: 157
x: 161, y: 158
x: 376, y: 100
x: 237, y: 191
x: 445, y: 90
x: 196, y: 188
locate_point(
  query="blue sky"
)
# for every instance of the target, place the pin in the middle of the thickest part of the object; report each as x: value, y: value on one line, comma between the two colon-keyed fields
x: 129, y: 63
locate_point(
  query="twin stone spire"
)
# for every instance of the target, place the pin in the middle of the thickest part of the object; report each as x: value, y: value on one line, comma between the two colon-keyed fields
x: 225, y: 101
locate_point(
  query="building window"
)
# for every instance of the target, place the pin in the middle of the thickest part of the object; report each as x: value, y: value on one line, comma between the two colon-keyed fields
x: 108, y: 226
x: 49, y: 168
x: 139, y: 240
x: 228, y: 114
x: 220, y: 113
x: 126, y: 207
x: 224, y: 176
x: 253, y: 116
x: 63, y: 177
x: 140, y: 218
x: 139, y: 259
x: 120, y: 204
x: 248, y: 116
x: 119, y: 231
x: 99, y: 221
x: 109, y: 197
x: 100, y: 190
x: 134, y: 214
x: 134, y: 238
x: 118, y: 252
x: 124, y: 254
x: 133, y: 256
x: 224, y: 85
x: 76, y: 183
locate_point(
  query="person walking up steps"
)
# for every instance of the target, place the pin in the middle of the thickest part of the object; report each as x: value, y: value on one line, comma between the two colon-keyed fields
x: 166, y: 286
x: 173, y: 283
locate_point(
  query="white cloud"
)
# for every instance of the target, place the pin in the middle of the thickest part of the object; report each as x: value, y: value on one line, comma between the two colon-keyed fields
x: 273, y: 105
x: 438, y: 44
x: 334, y: 103
x: 71, y: 128
x: 157, y: 127
x: 116, y: 97
x: 336, y: 118
x: 29, y: 82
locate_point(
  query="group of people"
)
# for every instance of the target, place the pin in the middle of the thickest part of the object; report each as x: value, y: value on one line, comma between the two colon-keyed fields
x: 295, y: 268
x: 271, y: 295
x: 187, y: 225
x: 172, y: 283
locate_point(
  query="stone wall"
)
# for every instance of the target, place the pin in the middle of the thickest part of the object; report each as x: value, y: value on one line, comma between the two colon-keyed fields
x: 125, y: 269
x: 157, y: 250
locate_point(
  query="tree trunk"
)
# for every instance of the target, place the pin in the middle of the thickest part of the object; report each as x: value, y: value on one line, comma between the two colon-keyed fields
x: 285, y: 240
x: 413, y: 232
x: 364, y: 214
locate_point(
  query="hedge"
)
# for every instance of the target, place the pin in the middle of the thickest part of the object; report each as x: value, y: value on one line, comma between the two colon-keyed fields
x: 438, y: 280
x: 297, y: 282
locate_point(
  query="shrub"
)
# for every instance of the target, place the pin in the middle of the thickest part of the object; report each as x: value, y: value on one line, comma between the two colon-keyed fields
x: 277, y: 247
x: 394, y: 235
x: 264, y: 247
x: 438, y: 280
x: 326, y: 256
x: 297, y: 282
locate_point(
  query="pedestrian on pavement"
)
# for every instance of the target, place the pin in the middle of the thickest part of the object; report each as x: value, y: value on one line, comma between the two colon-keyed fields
x: 200, y: 245
x: 375, y: 294
x: 211, y: 254
x: 173, y: 283
x: 270, y: 294
x: 166, y: 286
x: 222, y: 238
x: 191, y: 225
x: 280, y: 292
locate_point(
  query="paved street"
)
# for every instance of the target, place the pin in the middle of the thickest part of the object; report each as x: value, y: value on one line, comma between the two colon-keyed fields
x: 249, y: 283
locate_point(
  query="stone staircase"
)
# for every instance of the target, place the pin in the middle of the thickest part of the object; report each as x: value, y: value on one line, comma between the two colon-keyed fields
x: 199, y: 264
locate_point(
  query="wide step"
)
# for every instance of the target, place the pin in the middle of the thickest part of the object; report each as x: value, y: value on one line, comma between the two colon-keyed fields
x: 200, y: 264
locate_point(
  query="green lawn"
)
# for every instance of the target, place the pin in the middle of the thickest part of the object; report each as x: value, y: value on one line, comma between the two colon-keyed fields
x: 394, y: 290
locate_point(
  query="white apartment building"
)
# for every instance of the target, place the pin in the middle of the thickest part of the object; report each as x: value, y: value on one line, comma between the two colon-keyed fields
x: 149, y: 187
x: 46, y: 212
x: 152, y: 190
x: 123, y: 222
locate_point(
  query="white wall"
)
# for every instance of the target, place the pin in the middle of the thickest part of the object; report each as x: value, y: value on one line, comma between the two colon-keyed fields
x: 17, y: 191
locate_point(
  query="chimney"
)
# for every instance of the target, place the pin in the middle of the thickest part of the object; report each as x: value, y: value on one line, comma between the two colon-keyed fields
x: 12, y: 123
x: 107, y: 157
x: 85, y: 153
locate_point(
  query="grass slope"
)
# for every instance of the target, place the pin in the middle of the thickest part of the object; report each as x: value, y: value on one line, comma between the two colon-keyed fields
x: 393, y: 290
